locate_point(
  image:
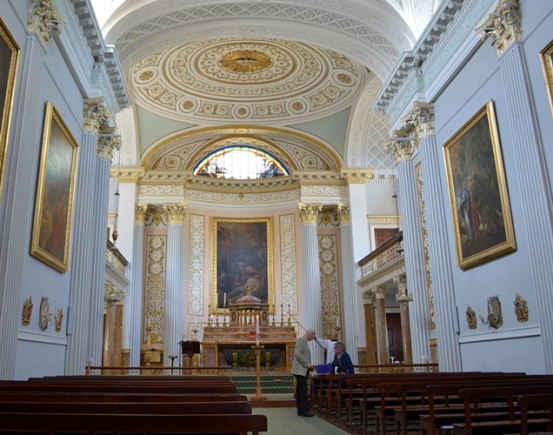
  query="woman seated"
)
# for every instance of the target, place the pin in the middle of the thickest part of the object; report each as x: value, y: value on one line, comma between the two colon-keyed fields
x: 342, y: 361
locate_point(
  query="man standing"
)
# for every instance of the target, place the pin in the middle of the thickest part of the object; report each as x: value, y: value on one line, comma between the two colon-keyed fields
x: 328, y: 345
x: 300, y: 369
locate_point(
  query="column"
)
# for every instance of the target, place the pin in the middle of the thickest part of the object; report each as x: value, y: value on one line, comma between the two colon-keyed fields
x: 370, y: 328
x: 83, y: 244
x: 174, y: 291
x: 107, y: 145
x: 135, y: 294
x: 351, y: 298
x: 112, y: 346
x: 504, y: 29
x: 382, y: 325
x: 312, y: 304
x: 404, y: 298
x: 18, y: 188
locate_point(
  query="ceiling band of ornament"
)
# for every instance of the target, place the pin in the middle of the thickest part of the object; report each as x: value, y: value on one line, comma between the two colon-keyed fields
x: 268, y: 81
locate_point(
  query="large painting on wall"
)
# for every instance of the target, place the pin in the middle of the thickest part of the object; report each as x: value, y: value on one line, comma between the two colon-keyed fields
x: 478, y: 194
x: 54, y: 200
x: 242, y: 264
x: 9, y: 60
x: 546, y: 56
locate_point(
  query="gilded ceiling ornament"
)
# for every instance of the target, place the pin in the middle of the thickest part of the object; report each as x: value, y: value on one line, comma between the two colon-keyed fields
x: 45, y: 20
x: 521, y: 309
x: 471, y: 318
x: 502, y: 26
x: 27, y: 311
x: 246, y: 61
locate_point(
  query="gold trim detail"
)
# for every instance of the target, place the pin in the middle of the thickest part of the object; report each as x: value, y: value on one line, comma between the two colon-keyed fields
x: 521, y: 309
x: 245, y: 61
x: 27, y: 311
x: 471, y: 318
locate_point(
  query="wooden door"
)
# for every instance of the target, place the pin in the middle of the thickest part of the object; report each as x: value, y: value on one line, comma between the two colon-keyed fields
x: 395, y: 343
x: 382, y: 235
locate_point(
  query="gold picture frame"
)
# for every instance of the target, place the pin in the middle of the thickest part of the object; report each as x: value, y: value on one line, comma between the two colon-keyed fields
x: 51, y: 240
x: 546, y: 56
x: 9, y: 62
x: 478, y: 194
x: 242, y: 261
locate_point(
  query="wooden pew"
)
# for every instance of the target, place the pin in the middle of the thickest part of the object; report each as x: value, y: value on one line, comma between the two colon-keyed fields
x: 130, y: 424
x: 473, y: 397
x: 531, y: 402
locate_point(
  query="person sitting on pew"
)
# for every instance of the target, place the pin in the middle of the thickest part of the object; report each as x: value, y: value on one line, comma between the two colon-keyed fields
x: 342, y: 361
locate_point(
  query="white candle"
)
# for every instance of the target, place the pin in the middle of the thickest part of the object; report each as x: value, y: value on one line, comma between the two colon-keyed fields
x: 257, y: 328
x: 224, y: 300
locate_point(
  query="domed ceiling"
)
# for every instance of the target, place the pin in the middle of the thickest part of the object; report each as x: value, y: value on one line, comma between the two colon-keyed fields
x: 297, y: 77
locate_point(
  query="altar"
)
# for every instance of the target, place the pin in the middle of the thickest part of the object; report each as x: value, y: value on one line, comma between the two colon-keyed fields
x: 228, y: 339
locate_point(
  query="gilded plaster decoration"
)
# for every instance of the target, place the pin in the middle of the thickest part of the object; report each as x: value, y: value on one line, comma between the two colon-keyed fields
x: 471, y: 318
x: 521, y: 309
x: 241, y: 197
x: 368, y: 297
x: 175, y: 213
x: 27, y: 311
x: 127, y: 175
x: 343, y: 211
x: 156, y: 217
x: 140, y: 213
x: 503, y: 26
x: 402, y: 146
x: 495, y: 314
x: 329, y: 217
x: 58, y: 320
x: 422, y: 209
x: 154, y: 292
x: 402, y: 296
x: 339, y: 191
x: 159, y: 190
x: 309, y: 213
x: 45, y: 20
x: 97, y: 118
x: 356, y: 176
x: 329, y: 281
x: 113, y: 260
x: 297, y: 151
x: 380, y: 292
x: 44, y: 315
x: 273, y: 81
x: 288, y: 261
x: 196, y: 265
x: 422, y: 115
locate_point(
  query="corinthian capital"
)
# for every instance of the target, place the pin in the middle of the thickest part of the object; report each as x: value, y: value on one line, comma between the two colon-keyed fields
x: 309, y: 213
x: 45, y: 20
x: 175, y: 213
x: 343, y: 212
x: 140, y: 213
x: 502, y: 26
x: 107, y: 145
x: 423, y: 119
x: 96, y: 116
x: 401, y: 147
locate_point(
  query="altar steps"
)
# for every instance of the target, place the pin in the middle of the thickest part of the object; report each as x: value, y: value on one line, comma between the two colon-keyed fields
x: 278, y: 383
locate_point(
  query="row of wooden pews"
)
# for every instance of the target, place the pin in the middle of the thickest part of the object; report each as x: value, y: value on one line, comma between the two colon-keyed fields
x: 121, y: 404
x: 432, y: 403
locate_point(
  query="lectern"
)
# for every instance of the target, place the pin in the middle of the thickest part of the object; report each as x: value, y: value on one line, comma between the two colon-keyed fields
x: 190, y: 348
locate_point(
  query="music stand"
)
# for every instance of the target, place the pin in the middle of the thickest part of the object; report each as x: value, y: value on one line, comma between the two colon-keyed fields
x: 190, y: 348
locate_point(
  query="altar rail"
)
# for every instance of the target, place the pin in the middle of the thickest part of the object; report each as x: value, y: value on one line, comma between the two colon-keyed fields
x: 397, y: 368
x: 157, y: 370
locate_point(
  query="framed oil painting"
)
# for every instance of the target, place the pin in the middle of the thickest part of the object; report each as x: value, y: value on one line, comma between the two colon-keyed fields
x: 546, y: 56
x: 51, y: 239
x: 9, y: 61
x: 242, y: 262
x: 478, y: 194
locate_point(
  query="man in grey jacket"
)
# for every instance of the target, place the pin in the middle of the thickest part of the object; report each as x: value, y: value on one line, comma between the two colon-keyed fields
x: 300, y: 369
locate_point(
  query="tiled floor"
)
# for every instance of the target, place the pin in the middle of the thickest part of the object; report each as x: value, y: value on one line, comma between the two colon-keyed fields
x: 285, y: 421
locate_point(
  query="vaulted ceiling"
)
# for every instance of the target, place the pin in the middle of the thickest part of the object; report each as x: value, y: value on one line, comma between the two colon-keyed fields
x: 296, y: 78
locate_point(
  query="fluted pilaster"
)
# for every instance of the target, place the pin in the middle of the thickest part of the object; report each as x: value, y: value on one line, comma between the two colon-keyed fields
x: 81, y: 270
x: 135, y: 296
x: 18, y: 189
x: 312, y: 304
x: 440, y: 261
x: 535, y: 190
x: 174, y: 292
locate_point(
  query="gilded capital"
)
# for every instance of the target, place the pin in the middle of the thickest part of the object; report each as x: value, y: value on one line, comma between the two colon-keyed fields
x: 401, y: 148
x: 45, y: 20
x: 402, y: 296
x: 423, y: 119
x: 309, y: 213
x: 503, y: 26
x: 380, y: 292
x: 140, y: 213
x: 367, y: 297
x: 175, y: 213
x: 96, y: 116
x: 344, y: 213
